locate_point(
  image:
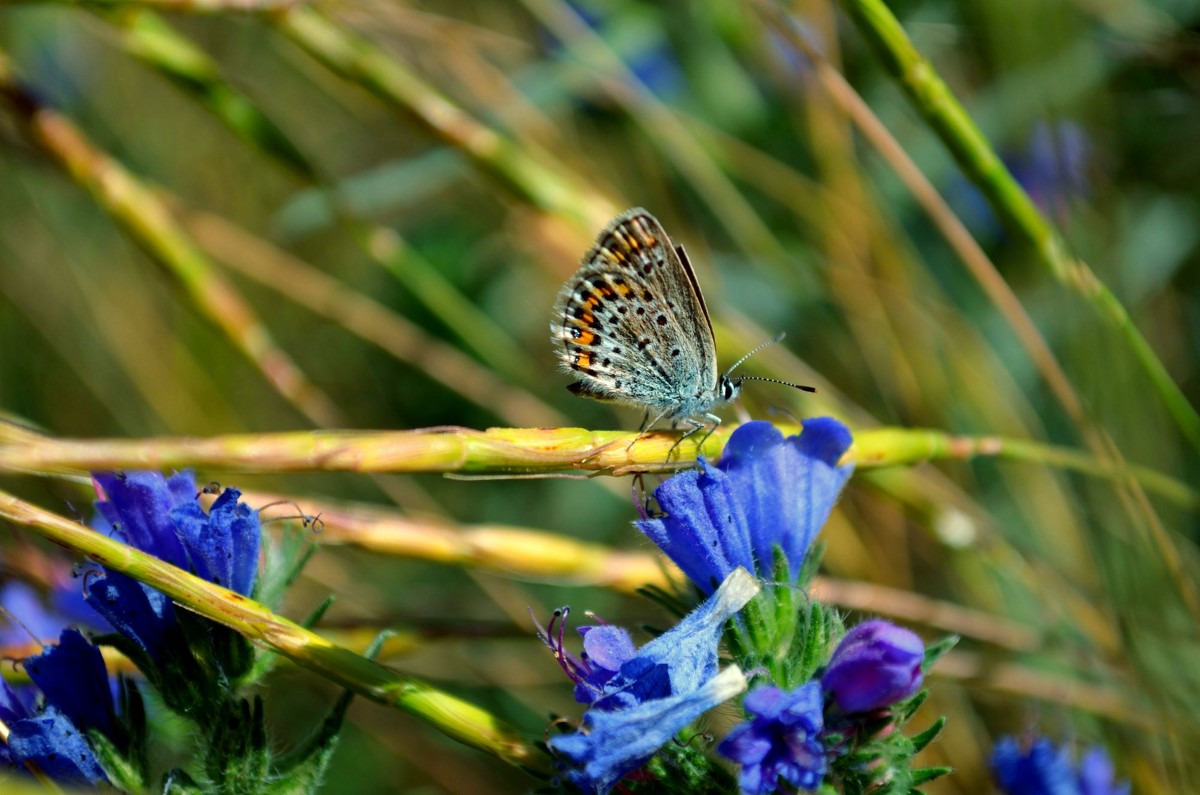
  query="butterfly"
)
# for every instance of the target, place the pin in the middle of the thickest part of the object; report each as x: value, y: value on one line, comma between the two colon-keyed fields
x: 632, y: 326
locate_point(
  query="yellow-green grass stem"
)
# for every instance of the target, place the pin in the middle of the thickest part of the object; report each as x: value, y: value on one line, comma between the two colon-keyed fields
x: 508, y: 452
x: 453, y: 716
x: 142, y: 215
x: 533, y: 177
x: 148, y: 38
x: 933, y: 99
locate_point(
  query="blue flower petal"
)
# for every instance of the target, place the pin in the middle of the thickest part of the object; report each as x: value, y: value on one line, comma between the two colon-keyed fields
x: 23, y: 602
x: 688, y: 534
x: 12, y: 707
x: 222, y: 544
x: 74, y: 680
x: 780, y: 740
x: 1097, y: 776
x: 787, y: 487
x: 57, y: 747
x: 139, y: 612
x: 239, y: 523
x: 607, y: 646
x: 767, y: 491
x: 689, y: 649
x: 1042, y: 770
x: 137, y: 505
x: 613, y: 744
x: 825, y: 439
x: 666, y: 685
x: 875, y: 665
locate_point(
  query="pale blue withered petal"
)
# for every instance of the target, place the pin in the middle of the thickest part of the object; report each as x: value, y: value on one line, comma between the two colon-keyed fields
x: 612, y: 744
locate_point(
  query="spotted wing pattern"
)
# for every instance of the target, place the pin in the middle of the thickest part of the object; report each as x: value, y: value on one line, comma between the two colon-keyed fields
x: 631, y: 323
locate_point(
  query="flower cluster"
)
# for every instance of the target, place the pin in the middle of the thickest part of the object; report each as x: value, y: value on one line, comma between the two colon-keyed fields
x: 1039, y: 767
x: 795, y: 736
x: 819, y: 717
x: 77, y: 703
x: 768, y: 495
x: 81, y: 733
x: 638, y: 700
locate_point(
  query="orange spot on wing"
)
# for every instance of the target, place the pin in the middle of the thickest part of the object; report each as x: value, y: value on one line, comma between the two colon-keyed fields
x: 585, y: 338
x: 583, y: 360
x: 592, y: 300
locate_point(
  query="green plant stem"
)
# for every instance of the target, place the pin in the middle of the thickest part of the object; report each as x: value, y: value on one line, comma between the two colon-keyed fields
x: 513, y: 452
x: 148, y: 222
x: 933, y: 99
x: 179, y: 6
x: 145, y: 36
x: 454, y: 717
x: 534, y: 179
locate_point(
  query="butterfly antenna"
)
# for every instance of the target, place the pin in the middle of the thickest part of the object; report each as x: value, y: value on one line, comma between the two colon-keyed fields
x: 771, y: 341
x: 801, y: 387
x: 742, y: 378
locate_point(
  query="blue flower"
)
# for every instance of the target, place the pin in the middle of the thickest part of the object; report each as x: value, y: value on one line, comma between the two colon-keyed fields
x: 1053, y: 167
x: 72, y: 677
x: 781, y: 741
x: 766, y: 492
x: 667, y: 684
x: 1097, y: 776
x: 78, y: 699
x: 605, y: 649
x: 36, y: 615
x: 37, y: 621
x: 162, y: 516
x: 874, y: 666
x: 644, y: 50
x: 142, y: 614
x: 1043, y: 769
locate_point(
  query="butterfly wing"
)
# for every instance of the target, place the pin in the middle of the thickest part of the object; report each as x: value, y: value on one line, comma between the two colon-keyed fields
x: 631, y: 323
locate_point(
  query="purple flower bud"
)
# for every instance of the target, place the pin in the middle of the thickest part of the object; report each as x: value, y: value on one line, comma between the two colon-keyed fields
x: 875, y: 665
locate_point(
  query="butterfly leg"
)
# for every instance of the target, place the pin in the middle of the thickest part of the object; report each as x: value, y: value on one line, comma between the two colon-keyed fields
x: 641, y: 497
x: 645, y: 429
x: 716, y: 423
x: 694, y: 427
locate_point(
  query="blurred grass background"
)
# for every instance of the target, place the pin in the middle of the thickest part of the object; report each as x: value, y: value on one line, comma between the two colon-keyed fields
x: 358, y: 216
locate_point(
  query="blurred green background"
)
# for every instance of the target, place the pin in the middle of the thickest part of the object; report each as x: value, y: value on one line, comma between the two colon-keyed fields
x: 393, y: 192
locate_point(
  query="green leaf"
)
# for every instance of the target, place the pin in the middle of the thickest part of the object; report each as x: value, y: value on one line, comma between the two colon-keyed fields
x: 302, y: 771
x: 812, y: 563
x: 125, y: 773
x: 178, y: 782
x: 923, y: 739
x: 936, y: 649
x: 926, y: 774
x: 285, y: 559
x: 907, y: 709
x: 238, y: 759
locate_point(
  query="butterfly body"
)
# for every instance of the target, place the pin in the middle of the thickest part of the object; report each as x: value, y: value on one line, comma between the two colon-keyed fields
x: 631, y: 325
